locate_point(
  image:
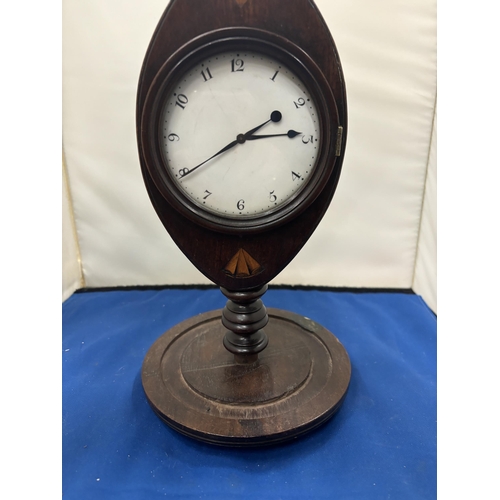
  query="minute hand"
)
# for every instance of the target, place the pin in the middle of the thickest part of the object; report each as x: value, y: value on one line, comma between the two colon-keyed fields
x: 290, y: 134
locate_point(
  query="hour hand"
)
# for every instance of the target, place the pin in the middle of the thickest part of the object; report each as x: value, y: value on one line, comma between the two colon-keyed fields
x: 275, y: 117
x: 290, y: 134
x: 240, y: 139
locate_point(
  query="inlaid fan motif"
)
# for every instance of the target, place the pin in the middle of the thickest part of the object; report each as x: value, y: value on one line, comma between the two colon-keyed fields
x: 242, y: 264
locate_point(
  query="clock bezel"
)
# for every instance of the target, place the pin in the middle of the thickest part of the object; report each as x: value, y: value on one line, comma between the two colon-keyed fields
x: 289, y: 55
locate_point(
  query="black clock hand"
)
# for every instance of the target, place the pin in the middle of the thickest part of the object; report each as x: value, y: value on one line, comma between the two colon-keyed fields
x: 240, y: 139
x: 275, y: 117
x: 184, y: 171
x: 290, y: 134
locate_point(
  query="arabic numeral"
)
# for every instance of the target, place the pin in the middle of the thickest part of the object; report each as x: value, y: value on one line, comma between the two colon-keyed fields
x: 300, y: 102
x: 173, y: 137
x: 182, y: 100
x: 237, y: 65
x: 206, y: 74
x: 240, y: 205
x: 272, y: 197
x: 306, y: 139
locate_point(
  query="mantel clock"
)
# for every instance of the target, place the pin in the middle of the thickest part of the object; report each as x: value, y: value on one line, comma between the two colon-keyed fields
x: 242, y: 126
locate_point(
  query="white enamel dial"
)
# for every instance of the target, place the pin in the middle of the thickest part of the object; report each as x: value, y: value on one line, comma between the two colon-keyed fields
x: 240, y: 135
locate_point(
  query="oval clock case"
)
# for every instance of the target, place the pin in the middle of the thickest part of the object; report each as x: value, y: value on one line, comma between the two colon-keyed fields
x: 246, y: 375
x: 300, y: 30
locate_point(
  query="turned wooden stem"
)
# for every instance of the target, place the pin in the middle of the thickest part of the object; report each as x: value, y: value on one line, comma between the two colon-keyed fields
x: 245, y: 316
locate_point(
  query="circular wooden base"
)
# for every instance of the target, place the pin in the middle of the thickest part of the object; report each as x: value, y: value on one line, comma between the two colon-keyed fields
x: 297, y: 383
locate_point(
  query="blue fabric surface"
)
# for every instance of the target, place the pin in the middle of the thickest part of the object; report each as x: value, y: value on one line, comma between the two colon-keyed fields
x: 381, y: 444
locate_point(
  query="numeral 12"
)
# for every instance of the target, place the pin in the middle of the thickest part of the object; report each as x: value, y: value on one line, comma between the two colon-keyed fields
x: 237, y: 65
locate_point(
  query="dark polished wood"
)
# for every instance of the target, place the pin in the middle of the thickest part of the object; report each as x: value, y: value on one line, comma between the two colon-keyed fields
x: 245, y: 316
x: 244, y: 376
x: 300, y: 23
x: 297, y: 383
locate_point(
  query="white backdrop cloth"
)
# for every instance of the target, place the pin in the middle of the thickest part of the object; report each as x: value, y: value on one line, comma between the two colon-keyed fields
x: 370, y: 234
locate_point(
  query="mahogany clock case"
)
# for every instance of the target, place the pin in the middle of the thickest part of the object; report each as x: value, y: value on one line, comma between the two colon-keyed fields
x: 244, y: 392
x: 297, y: 35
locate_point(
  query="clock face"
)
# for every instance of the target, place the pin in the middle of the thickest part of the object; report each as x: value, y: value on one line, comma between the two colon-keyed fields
x: 240, y: 135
